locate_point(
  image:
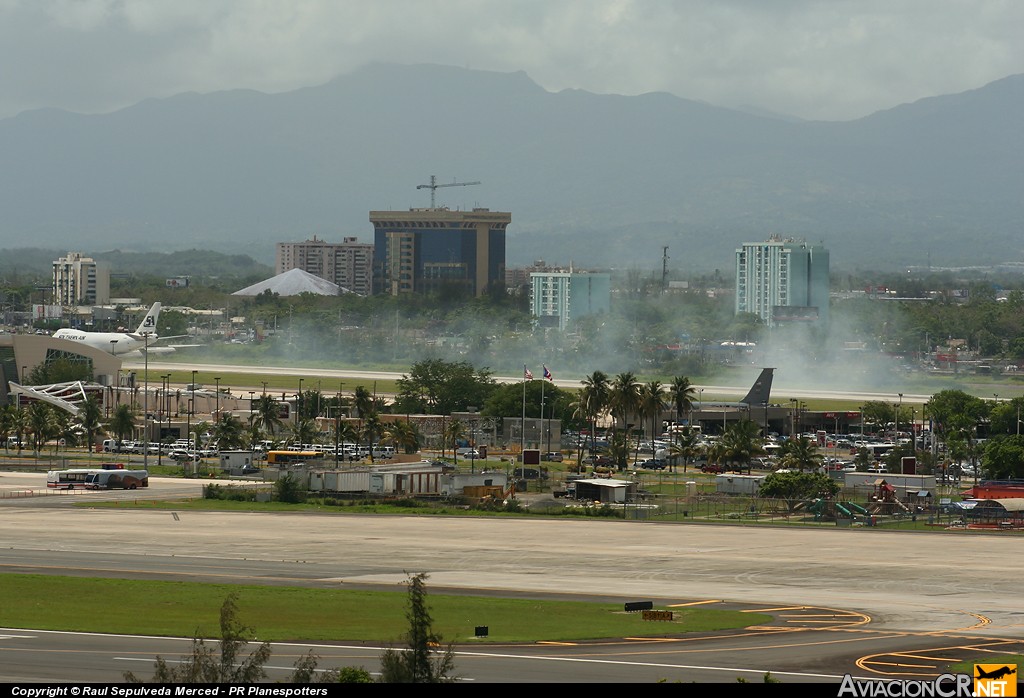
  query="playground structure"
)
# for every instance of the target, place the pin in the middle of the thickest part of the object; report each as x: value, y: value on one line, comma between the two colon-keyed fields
x: 825, y: 509
x: 884, y: 501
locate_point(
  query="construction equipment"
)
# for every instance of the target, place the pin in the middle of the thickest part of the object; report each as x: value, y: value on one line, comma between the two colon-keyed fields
x: 434, y: 186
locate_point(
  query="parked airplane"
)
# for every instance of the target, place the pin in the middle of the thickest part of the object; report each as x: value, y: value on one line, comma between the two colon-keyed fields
x: 759, y: 393
x: 119, y: 342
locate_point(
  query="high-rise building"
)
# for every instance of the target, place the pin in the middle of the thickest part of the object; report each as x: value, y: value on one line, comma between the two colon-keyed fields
x: 559, y: 297
x: 79, y: 280
x: 424, y: 249
x: 349, y: 264
x: 783, y: 280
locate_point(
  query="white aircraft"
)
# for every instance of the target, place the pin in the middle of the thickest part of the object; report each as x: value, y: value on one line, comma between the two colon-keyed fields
x: 119, y: 342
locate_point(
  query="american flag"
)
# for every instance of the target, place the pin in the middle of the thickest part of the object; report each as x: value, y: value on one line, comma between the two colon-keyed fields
x: 527, y: 374
x: 547, y: 375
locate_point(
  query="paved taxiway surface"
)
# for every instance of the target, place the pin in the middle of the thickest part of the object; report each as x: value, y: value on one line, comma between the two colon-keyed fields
x: 913, y: 586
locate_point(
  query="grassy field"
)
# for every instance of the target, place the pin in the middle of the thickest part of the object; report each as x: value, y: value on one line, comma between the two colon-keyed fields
x: 288, y: 613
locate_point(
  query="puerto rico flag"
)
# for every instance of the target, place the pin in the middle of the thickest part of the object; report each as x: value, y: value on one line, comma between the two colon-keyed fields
x: 547, y: 375
x: 527, y: 374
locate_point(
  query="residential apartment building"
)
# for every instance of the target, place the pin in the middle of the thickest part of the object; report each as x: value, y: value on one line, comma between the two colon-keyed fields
x: 349, y: 264
x: 783, y: 280
x: 424, y: 249
x: 559, y: 297
x: 80, y: 280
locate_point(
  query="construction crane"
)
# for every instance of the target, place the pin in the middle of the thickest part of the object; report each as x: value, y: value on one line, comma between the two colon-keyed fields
x: 434, y: 186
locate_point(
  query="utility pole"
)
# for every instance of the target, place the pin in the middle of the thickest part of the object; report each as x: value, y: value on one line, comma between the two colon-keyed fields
x: 664, y: 269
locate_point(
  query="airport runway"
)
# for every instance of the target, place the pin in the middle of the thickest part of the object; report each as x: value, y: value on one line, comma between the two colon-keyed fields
x: 736, y: 391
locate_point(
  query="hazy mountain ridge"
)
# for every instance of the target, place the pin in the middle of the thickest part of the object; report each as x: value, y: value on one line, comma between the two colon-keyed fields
x: 599, y: 179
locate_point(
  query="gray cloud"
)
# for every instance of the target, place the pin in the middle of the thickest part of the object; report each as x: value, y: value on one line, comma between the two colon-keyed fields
x: 826, y: 60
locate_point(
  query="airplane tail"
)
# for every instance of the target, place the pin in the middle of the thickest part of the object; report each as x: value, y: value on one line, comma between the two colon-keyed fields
x: 760, y: 392
x: 148, y: 325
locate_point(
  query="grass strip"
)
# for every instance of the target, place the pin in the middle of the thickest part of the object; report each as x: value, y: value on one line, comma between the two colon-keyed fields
x: 188, y: 609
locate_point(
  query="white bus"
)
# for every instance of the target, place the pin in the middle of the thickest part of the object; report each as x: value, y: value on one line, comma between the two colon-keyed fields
x: 69, y: 479
x: 117, y: 480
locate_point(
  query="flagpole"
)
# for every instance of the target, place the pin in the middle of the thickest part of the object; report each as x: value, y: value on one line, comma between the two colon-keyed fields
x: 541, y: 436
x: 522, y: 423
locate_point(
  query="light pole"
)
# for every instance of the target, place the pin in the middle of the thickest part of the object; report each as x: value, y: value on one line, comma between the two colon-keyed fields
x: 191, y: 406
x: 765, y: 405
x: 337, y: 426
x: 264, y: 387
x: 472, y: 437
x: 835, y: 439
x: 164, y: 409
x: 216, y: 418
x: 700, y: 404
x: 896, y: 434
x: 298, y: 401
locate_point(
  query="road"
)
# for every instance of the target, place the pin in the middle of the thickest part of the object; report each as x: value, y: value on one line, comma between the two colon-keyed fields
x: 870, y: 602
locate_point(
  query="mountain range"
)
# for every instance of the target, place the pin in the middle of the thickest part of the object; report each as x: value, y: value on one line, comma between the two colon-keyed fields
x: 596, y: 180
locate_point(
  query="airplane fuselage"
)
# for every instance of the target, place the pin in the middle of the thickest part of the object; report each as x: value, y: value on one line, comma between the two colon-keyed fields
x: 110, y: 342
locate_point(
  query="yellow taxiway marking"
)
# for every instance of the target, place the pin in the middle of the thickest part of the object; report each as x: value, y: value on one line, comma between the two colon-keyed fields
x: 769, y: 610
x: 694, y: 603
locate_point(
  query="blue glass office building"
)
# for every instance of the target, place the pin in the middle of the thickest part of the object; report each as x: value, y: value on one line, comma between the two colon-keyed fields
x: 423, y: 250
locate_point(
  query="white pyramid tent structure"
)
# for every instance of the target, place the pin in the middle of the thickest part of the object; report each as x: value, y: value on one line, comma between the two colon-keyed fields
x: 292, y: 283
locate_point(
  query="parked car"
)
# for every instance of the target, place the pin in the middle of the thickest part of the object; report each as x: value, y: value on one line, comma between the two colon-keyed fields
x: 553, y: 456
x: 651, y: 464
x: 712, y: 468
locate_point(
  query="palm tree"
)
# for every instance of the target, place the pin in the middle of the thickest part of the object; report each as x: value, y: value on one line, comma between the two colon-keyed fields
x: 624, y: 400
x: 122, y: 422
x: 405, y: 435
x: 454, y: 431
x: 595, y: 396
x: 198, y: 429
x: 304, y: 431
x: 229, y: 432
x: 362, y: 401
x: 345, y: 432
x: 371, y: 430
x: 685, y: 446
x: 90, y: 417
x: 682, y: 392
x: 580, y: 410
x: 6, y: 423
x: 652, y: 404
x: 64, y: 428
x: 267, y: 415
x: 801, y: 454
x: 40, y: 424
x: 741, y: 442
x: 19, y: 425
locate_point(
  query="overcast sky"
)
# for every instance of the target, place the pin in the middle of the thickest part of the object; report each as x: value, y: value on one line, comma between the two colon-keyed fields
x: 817, y: 59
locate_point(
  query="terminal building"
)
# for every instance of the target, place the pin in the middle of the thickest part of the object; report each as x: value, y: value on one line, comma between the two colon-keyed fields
x: 425, y: 249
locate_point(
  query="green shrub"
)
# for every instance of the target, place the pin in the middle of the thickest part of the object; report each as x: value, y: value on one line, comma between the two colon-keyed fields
x: 288, y: 489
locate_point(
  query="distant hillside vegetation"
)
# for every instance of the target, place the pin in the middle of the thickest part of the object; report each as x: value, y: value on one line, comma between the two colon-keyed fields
x: 24, y: 265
